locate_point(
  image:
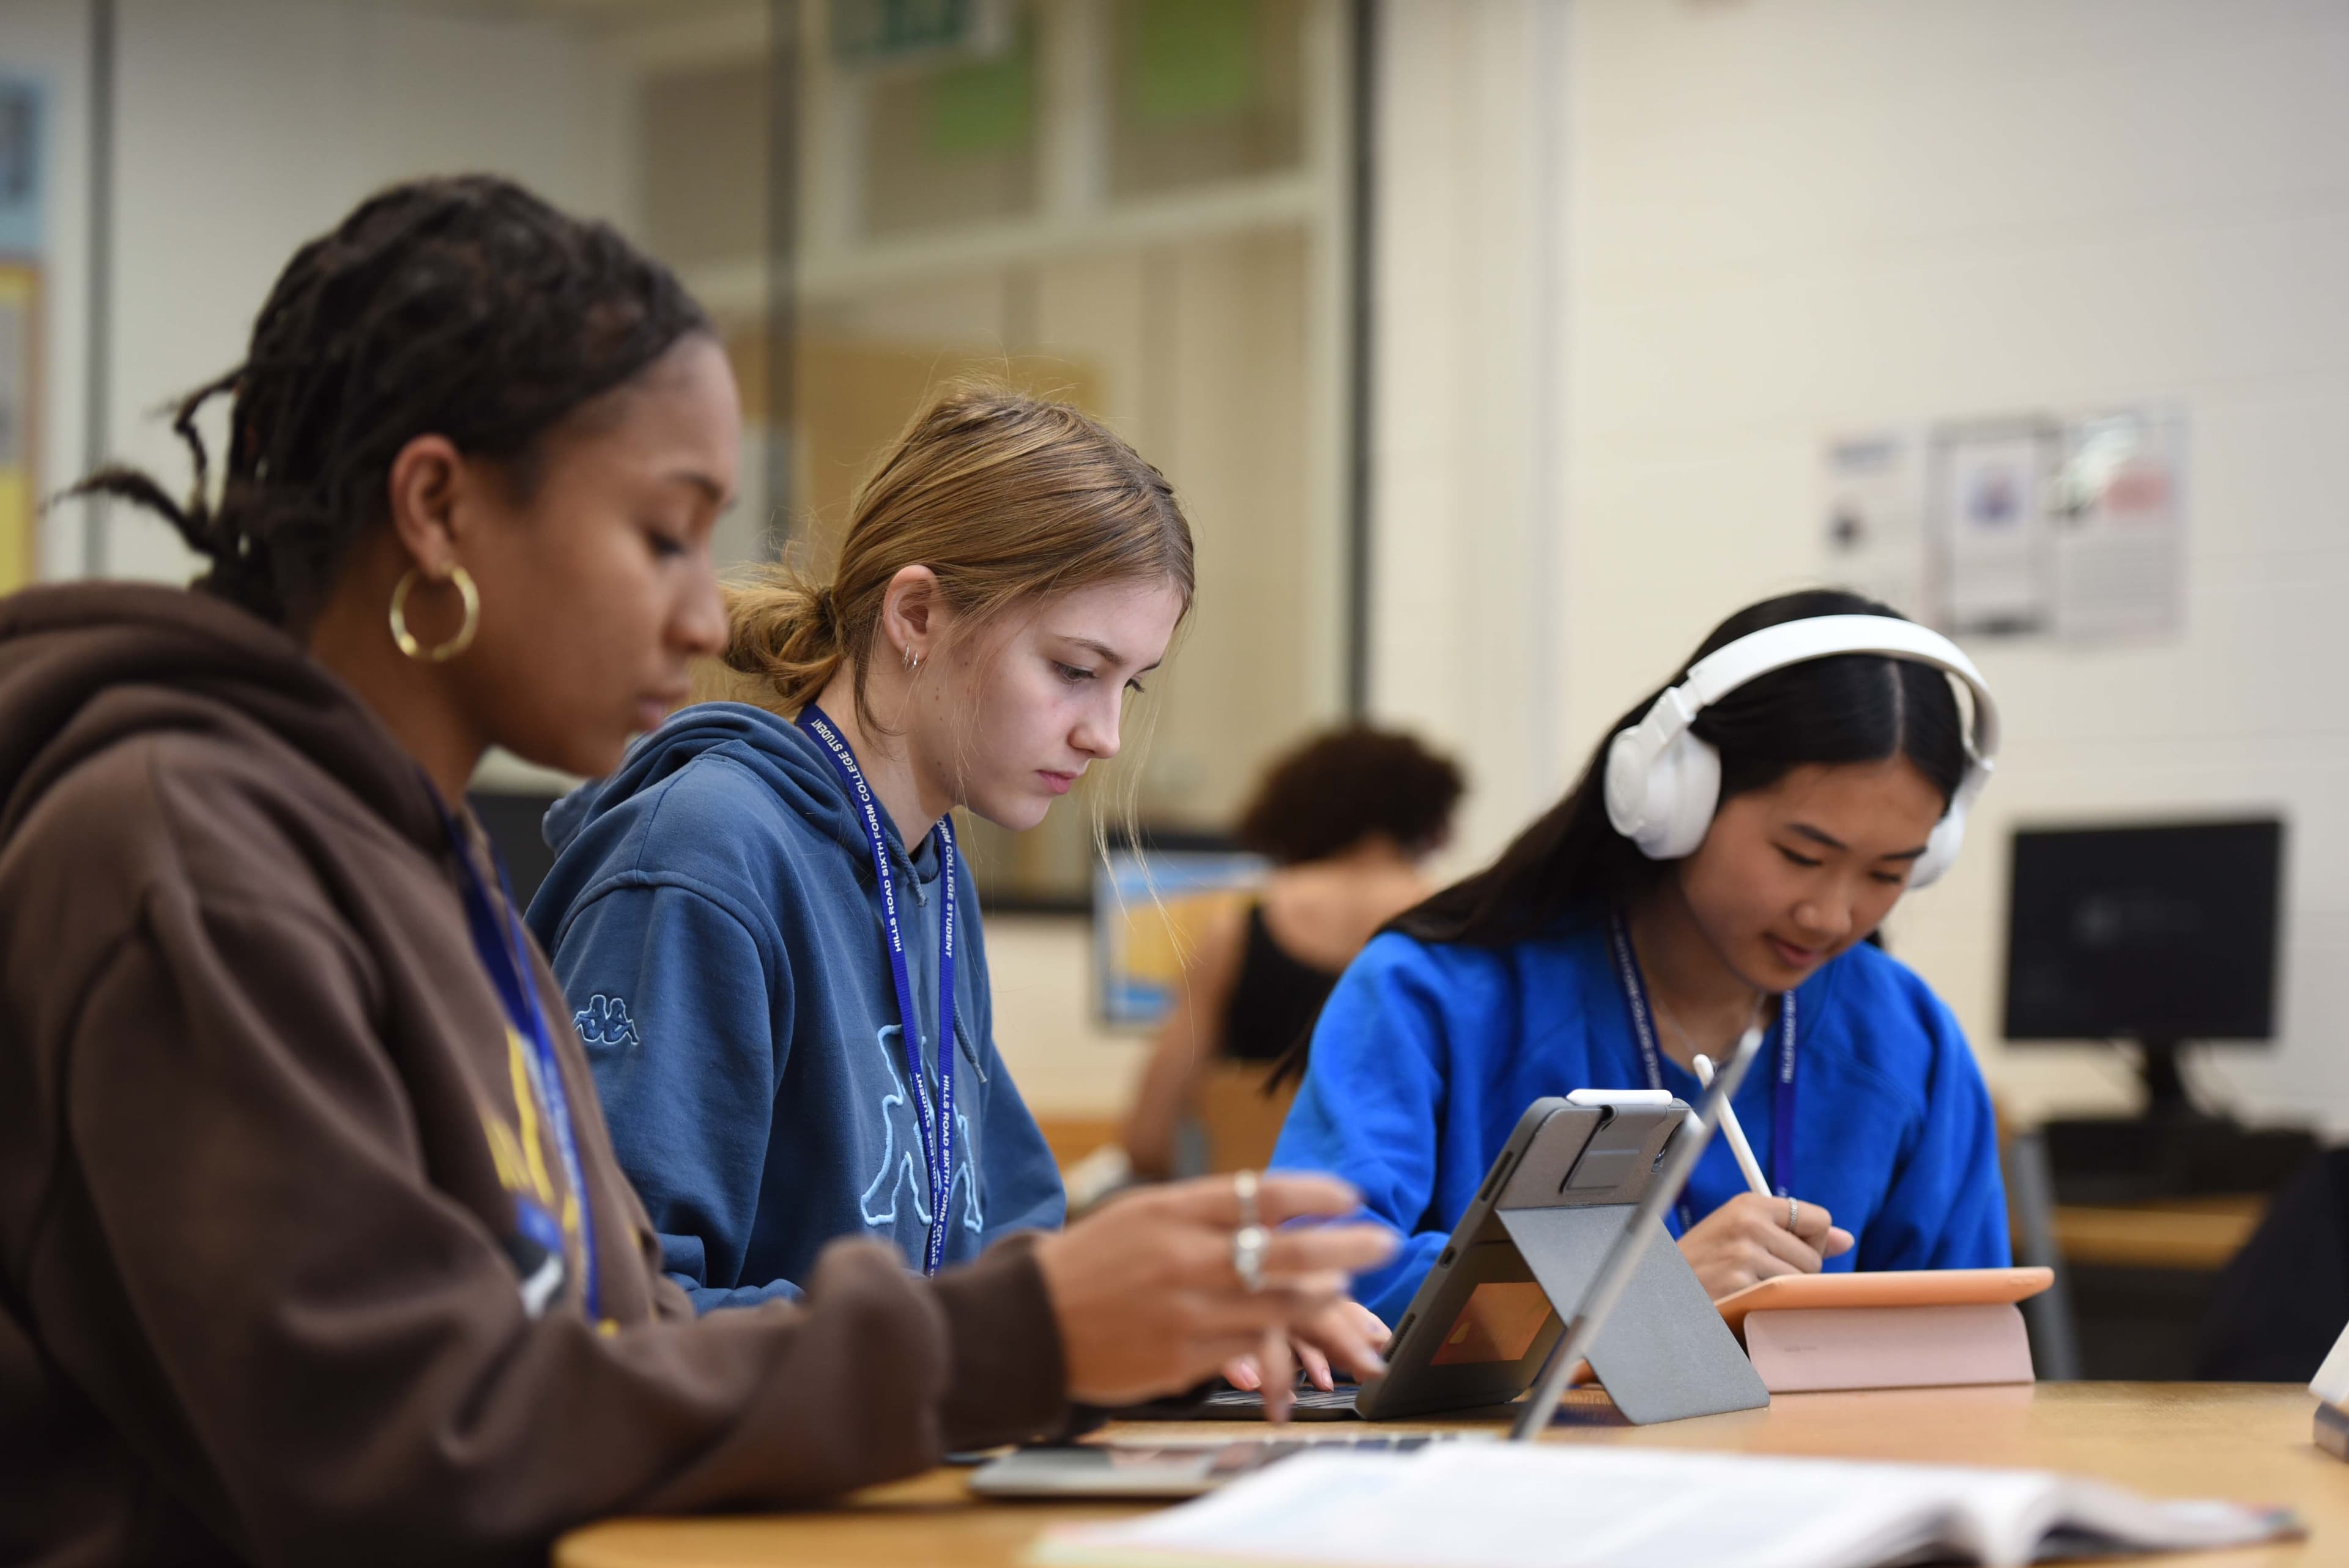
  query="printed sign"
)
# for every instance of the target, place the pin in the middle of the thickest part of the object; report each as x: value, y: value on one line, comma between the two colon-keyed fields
x: 22, y: 164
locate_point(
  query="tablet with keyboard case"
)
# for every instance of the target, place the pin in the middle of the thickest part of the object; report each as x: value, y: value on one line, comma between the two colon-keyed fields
x: 1481, y: 1327
x: 1556, y: 1189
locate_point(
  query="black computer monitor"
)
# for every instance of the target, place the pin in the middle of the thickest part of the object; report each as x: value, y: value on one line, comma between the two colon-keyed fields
x: 2163, y: 933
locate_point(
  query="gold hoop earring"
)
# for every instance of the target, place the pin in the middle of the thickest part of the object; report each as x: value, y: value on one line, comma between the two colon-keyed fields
x: 463, y: 580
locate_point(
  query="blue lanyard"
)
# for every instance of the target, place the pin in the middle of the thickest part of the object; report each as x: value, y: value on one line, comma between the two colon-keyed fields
x: 937, y: 1127
x: 1782, y: 1096
x: 497, y: 938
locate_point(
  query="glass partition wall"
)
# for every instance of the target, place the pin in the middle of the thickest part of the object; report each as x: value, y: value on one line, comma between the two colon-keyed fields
x: 1139, y: 205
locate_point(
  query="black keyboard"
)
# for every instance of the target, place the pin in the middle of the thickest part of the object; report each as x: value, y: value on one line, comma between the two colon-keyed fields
x: 1338, y: 1401
x: 1244, y: 1405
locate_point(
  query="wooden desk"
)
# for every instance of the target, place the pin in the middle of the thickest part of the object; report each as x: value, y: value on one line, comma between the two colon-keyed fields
x: 1070, y: 1139
x: 2201, y: 1235
x: 2245, y: 1441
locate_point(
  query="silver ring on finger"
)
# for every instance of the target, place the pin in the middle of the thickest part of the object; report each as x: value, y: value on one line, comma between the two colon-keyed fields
x: 1248, y: 1243
x: 1794, y: 1211
x: 1244, y: 1189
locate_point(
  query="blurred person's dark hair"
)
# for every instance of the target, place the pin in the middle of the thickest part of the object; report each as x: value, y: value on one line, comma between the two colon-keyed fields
x: 1340, y: 788
x: 464, y: 308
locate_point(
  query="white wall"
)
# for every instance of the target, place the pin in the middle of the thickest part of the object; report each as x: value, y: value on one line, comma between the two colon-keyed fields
x: 1469, y: 375
x: 1788, y: 218
x: 1066, y: 1064
x: 243, y: 128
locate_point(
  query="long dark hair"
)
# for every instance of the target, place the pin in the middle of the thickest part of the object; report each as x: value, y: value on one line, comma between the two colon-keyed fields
x: 1848, y: 708
x: 465, y: 308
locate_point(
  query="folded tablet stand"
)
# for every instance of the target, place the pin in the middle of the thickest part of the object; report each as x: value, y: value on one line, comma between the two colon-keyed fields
x: 1529, y: 1251
x: 1664, y: 1354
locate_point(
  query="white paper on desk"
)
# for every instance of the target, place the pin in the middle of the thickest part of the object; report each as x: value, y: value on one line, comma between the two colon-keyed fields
x: 1572, y: 1506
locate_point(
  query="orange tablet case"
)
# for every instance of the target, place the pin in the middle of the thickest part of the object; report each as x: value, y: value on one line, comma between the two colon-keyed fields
x: 1893, y: 1288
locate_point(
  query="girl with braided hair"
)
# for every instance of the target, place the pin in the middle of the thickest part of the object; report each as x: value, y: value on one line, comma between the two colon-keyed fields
x: 313, y: 1242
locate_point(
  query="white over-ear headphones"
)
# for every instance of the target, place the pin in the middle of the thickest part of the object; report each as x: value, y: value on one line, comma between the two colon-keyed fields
x: 1663, y: 783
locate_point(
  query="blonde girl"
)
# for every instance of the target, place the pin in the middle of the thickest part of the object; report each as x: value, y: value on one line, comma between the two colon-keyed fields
x: 762, y: 922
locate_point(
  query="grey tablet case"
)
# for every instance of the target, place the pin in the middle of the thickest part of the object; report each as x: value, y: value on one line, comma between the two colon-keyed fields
x: 1483, y: 1322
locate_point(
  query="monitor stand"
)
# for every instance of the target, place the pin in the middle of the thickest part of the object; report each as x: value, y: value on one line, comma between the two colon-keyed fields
x: 2166, y: 1099
x: 2171, y: 1148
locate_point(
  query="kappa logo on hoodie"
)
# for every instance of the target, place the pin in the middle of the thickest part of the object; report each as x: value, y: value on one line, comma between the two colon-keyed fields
x: 902, y: 1165
x: 604, y: 1021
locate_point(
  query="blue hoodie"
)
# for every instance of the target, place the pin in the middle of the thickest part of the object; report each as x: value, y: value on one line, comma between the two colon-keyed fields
x: 1426, y: 1055
x: 713, y: 918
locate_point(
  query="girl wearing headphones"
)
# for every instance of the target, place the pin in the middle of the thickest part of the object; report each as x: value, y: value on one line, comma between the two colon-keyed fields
x: 1725, y: 859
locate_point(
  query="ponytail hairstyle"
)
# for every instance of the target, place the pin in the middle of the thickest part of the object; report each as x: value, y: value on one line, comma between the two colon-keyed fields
x: 1008, y: 499
x: 465, y: 308
x: 1845, y: 708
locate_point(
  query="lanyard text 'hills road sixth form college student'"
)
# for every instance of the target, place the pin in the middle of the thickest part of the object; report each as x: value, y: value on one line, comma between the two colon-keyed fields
x: 937, y: 1121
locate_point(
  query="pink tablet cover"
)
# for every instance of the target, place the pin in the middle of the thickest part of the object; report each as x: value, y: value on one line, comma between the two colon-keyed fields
x: 1806, y: 1349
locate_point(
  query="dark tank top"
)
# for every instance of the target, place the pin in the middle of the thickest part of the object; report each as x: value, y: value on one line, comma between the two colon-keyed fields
x: 1275, y: 999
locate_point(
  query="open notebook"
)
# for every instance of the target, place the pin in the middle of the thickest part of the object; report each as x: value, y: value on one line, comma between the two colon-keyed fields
x: 1507, y: 1505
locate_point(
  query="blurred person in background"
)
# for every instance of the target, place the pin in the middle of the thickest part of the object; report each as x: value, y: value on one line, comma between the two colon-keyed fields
x: 313, y: 1244
x: 1349, y: 820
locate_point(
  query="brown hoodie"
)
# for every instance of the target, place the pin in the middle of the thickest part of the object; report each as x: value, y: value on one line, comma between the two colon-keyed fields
x: 259, y: 1145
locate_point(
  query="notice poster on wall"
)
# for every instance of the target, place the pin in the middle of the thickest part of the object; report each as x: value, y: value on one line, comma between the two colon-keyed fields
x: 1873, y: 513
x: 2072, y: 528
x: 1987, y: 511
x: 2119, y: 525
x: 22, y: 119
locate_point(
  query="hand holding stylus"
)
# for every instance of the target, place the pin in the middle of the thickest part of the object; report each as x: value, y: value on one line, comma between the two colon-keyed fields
x: 1757, y: 1234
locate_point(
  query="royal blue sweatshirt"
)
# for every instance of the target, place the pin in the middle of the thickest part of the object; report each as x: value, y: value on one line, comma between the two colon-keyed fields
x: 713, y: 918
x: 1426, y: 1055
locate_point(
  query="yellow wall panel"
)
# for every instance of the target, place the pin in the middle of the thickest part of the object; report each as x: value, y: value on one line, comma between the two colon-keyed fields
x: 20, y: 288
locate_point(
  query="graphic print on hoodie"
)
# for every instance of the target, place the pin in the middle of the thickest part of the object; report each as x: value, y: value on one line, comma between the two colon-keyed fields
x: 262, y: 1128
x: 713, y: 918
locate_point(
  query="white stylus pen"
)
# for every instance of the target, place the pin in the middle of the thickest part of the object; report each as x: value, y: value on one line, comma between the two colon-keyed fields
x: 1737, y: 1144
